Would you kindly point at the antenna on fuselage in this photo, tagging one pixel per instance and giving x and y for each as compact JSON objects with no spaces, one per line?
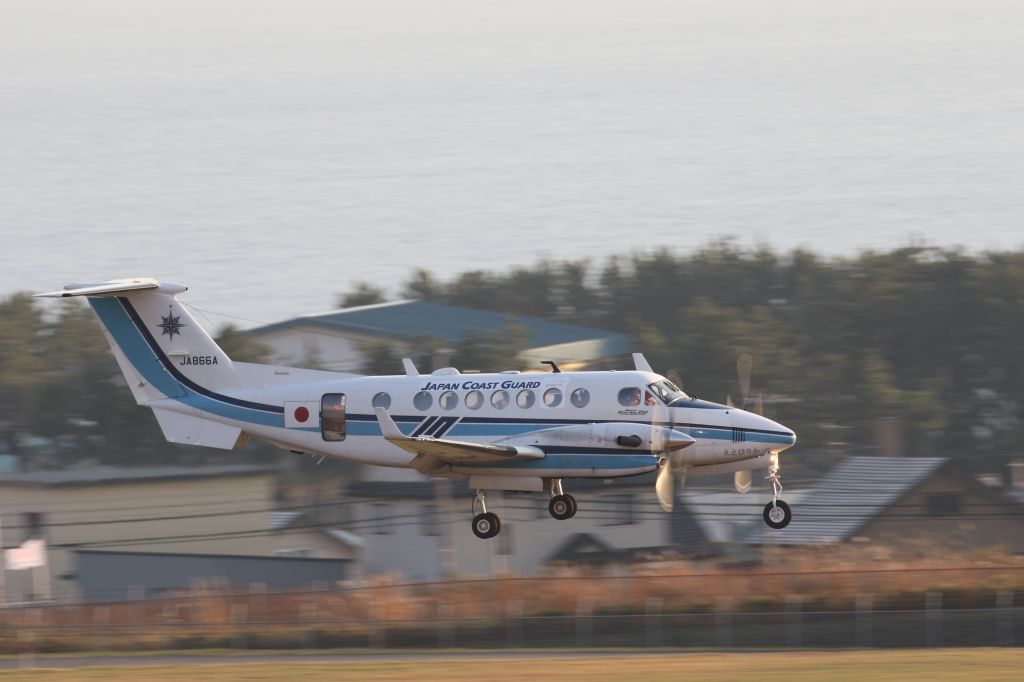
{"x":410,"y":368}
{"x":554,"y":367}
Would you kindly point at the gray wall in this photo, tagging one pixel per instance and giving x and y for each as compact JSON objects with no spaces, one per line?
{"x":115,"y":576}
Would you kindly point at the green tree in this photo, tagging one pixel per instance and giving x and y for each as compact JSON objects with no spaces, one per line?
{"x":241,"y":346}
{"x":364,"y":293}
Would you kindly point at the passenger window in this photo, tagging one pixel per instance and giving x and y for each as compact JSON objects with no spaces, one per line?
{"x":499,"y":400}
{"x":448,"y":400}
{"x":649,"y":399}
{"x":629,"y":397}
{"x":552,"y":397}
{"x":332,"y":416}
{"x":474,"y":399}
{"x":525,"y":398}
{"x":580,"y":397}
{"x":382,"y":399}
{"x":423,"y":400}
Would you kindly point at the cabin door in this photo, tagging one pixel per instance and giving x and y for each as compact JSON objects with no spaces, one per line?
{"x":332,"y":416}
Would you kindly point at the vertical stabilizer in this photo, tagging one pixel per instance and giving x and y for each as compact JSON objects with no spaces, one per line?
{"x":161,"y":349}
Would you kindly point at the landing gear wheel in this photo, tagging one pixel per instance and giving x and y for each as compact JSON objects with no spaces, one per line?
{"x":562,"y":507}
{"x":574,"y":505}
{"x":486,"y":525}
{"x":777,"y":514}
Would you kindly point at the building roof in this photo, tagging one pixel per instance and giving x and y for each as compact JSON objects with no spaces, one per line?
{"x":685,"y":534}
{"x":849,"y":496}
{"x":106,"y":475}
{"x":402,"y":320}
{"x":280,"y":520}
{"x":584,"y":548}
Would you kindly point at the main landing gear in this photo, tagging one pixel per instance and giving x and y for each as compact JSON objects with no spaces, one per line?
{"x":485,"y":524}
{"x":561,"y":506}
{"x":777,"y":513}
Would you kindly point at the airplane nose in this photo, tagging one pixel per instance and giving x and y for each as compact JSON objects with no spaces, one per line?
{"x":786,"y":436}
{"x":777,"y":436}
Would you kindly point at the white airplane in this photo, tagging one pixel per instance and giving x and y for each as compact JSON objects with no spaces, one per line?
{"x":505,"y":431}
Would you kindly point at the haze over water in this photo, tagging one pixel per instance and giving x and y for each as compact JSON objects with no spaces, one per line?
{"x":270,"y":154}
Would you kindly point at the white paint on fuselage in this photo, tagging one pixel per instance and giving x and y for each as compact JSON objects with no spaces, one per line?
{"x":712,"y":426}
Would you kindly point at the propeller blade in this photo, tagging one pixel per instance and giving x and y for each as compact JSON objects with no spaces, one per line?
{"x":759,"y":405}
{"x":728,"y":401}
{"x":674,"y":377}
{"x":744,"y":363}
{"x":741,"y":480}
{"x":663,"y":487}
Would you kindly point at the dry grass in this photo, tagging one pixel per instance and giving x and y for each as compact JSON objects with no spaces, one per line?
{"x":976,"y":665}
{"x":825,"y":579}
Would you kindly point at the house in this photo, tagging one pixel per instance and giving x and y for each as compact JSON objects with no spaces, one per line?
{"x":107,"y":529}
{"x":337,"y":340}
{"x":420,"y":527}
{"x":925,"y":501}
{"x":298,"y":534}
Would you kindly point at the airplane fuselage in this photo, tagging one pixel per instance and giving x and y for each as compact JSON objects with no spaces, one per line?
{"x":503,"y":408}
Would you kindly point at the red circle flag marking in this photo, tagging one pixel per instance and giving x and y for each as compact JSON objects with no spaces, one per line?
{"x":301,"y":414}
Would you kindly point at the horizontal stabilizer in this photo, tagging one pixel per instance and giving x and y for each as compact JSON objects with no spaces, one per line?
{"x":114,"y":286}
{"x":452,"y":451}
{"x":189,"y":430}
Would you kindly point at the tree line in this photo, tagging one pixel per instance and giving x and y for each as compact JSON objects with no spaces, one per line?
{"x":912,"y":351}
{"x":915,"y":350}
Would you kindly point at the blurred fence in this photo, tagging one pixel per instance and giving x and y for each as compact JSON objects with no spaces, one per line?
{"x":576,"y":611}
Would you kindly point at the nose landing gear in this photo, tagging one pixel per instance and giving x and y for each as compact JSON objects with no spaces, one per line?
{"x":777,"y":513}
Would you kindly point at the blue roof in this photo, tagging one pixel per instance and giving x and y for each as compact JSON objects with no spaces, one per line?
{"x":410,"y":319}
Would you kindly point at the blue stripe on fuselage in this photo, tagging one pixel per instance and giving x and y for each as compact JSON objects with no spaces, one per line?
{"x":481,"y":427}
{"x":583,"y":463}
{"x":182,"y":379}
{"x":157,"y":369}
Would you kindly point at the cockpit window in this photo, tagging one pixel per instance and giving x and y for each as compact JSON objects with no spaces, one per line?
{"x":629,"y":397}
{"x":667,"y":391}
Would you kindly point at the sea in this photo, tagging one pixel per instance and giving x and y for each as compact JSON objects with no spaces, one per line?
{"x":273,"y":153}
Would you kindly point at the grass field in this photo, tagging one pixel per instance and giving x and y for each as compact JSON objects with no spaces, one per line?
{"x":977,"y":665}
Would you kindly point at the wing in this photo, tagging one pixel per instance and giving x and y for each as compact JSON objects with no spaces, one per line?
{"x":431,"y":452}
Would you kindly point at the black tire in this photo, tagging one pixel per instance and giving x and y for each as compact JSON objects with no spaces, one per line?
{"x":486,"y":525}
{"x":773,"y":517}
{"x":561,"y":507}
{"x":496,"y":522}
{"x":575,"y":506}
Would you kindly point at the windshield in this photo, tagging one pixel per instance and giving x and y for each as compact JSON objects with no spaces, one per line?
{"x":667,"y":391}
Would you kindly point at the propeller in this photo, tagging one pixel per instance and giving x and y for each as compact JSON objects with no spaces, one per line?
{"x":664,"y":486}
{"x":742,"y":480}
{"x":744,"y":365}
{"x":674,"y":377}
{"x":673,"y":449}
{"x":670,"y":443}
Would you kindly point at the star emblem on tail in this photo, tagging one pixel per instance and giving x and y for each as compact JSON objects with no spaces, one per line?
{"x":170,"y":324}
